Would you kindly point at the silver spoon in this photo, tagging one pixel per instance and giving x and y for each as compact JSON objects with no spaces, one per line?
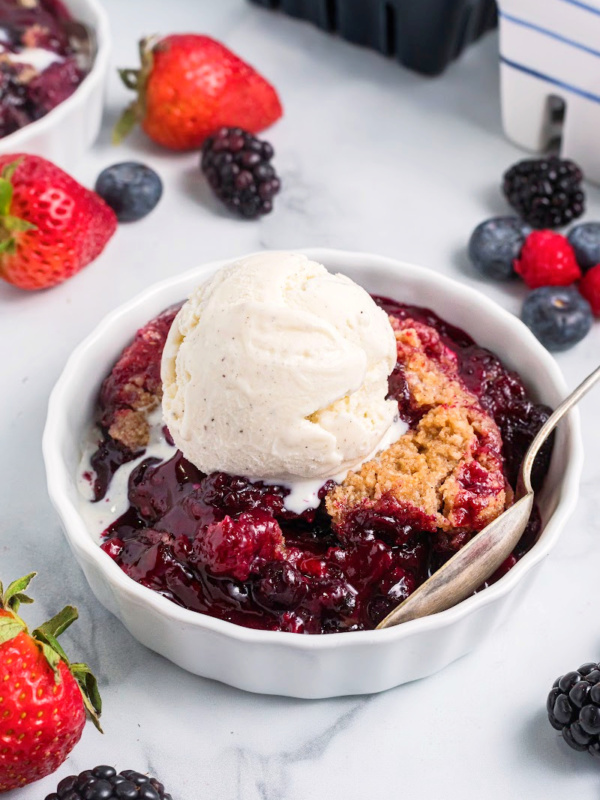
{"x":478,"y":559}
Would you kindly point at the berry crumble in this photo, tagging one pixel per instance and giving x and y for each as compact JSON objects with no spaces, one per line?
{"x":227,"y":547}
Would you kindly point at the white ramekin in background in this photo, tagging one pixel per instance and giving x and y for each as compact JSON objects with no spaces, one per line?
{"x":66,"y":133}
{"x":286,"y":663}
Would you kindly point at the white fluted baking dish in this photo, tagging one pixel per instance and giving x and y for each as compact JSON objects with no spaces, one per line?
{"x":285,"y":663}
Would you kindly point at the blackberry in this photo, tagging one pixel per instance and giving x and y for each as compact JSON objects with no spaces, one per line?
{"x":103,"y":783}
{"x":546,"y":192}
{"x":573,"y":708}
{"x":237,"y":166}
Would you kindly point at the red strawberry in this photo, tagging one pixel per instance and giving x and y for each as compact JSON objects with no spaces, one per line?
{"x":189,"y":86}
{"x":50,"y":225}
{"x":43,"y":697}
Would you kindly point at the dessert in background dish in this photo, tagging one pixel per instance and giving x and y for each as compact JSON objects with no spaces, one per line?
{"x":276,"y":372}
{"x":39,"y":65}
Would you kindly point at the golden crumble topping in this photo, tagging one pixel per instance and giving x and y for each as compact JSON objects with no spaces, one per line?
{"x":131,"y":428}
{"x":449,"y":466}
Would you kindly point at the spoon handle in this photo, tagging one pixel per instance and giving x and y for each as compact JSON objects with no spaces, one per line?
{"x":524,"y":482}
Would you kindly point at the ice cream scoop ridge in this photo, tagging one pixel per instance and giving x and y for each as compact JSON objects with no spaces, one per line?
{"x":277,"y":369}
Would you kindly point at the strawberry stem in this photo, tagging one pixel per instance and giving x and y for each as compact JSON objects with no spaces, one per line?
{"x":10,"y":224}
{"x":130,"y":78}
{"x":137,"y":80}
{"x":10,"y":169}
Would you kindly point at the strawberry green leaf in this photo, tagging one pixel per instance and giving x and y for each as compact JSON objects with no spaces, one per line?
{"x":47,"y":633}
{"x":6,"y":196}
{"x":16,"y":224}
{"x":146,"y":47}
{"x":17,"y":600}
{"x":89,"y":691}
{"x":6,"y":187}
{"x":8,"y":247}
{"x":130,"y":78}
{"x":48,"y":640}
{"x":8,"y":223}
{"x":127,"y":122}
{"x":59,"y":622}
{"x":137,"y":80}
{"x":10,"y":628}
{"x":14,"y":590}
{"x":53,"y":658}
{"x":23,"y":598}
{"x":10,"y":169}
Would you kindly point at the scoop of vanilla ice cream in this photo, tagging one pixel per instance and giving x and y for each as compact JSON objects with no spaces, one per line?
{"x":276,"y":369}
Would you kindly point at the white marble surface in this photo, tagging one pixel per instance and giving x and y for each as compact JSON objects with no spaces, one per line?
{"x":375,"y":158}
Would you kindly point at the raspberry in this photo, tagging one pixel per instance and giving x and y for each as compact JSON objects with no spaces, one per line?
{"x":240,"y":547}
{"x":590,"y":288}
{"x":547,"y":259}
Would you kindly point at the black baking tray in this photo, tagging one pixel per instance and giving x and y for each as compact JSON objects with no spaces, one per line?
{"x":423,"y":35}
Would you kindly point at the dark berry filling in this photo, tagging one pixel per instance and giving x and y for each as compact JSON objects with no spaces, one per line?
{"x":228,"y":548}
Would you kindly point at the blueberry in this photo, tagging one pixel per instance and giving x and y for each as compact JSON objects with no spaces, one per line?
{"x":585,"y":241}
{"x":558,"y":315}
{"x":131,"y":189}
{"x":495,"y":244}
